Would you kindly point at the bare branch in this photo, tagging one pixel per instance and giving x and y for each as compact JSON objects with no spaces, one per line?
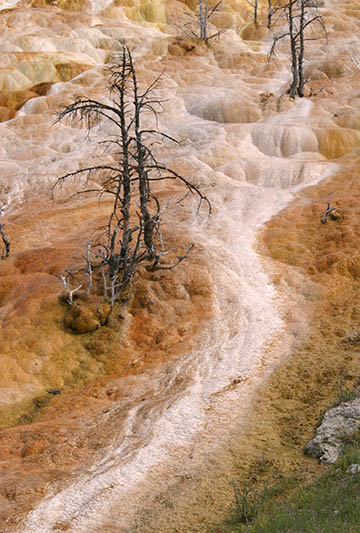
{"x":300,"y":15}
{"x":89,"y":270}
{"x":5,"y":240}
{"x":68,"y":292}
{"x":179,"y":260}
{"x":198,"y":25}
{"x":132,"y":234}
{"x":327,"y":213}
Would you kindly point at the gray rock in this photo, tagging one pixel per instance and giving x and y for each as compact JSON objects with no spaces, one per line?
{"x":338,"y":424}
{"x":353,"y":469}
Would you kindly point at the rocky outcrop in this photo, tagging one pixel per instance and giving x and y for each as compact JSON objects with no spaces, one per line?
{"x":339,"y":423}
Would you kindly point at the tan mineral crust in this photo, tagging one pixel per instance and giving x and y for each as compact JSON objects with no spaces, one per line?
{"x":217,"y":371}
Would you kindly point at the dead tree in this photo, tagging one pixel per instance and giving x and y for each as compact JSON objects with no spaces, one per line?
{"x":198,"y":26}
{"x":300,"y":15}
{"x":6,"y":251}
{"x":329,"y":212}
{"x":272,"y":8}
{"x":132,"y":234}
{"x":68,"y":291}
{"x":269,"y":13}
{"x":254,"y":5}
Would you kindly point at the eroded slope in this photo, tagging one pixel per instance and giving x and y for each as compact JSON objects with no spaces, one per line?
{"x":141,"y":401}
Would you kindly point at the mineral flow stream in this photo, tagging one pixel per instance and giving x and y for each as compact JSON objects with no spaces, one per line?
{"x":136,"y":415}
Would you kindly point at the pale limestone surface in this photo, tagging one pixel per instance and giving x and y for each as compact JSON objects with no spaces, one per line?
{"x":250,"y":149}
{"x":339,"y":423}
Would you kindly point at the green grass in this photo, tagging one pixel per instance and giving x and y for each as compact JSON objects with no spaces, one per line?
{"x":344,"y":395}
{"x":331,"y":504}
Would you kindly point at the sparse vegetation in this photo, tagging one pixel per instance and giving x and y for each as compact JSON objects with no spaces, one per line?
{"x":344,"y":395}
{"x":248,"y":504}
{"x":330,"y":504}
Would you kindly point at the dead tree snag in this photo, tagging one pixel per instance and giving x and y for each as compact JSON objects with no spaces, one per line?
{"x":133,"y":233}
{"x":198,"y":25}
{"x":300,"y":16}
{"x":6,"y":251}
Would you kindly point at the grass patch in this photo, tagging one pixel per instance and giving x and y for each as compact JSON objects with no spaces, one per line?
{"x":329,"y":505}
{"x":344,"y":395}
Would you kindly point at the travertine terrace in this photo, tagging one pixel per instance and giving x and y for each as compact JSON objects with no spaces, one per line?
{"x":234,"y":354}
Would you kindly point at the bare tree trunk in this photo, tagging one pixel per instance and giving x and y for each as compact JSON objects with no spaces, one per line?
{"x":144,"y":191}
{"x":125,"y":182}
{"x":294,"y":58}
{"x":300,"y":15}
{"x":206,"y":18}
{"x":5,"y":240}
{"x":68,"y":292}
{"x":255,"y":11}
{"x":203,"y":19}
{"x":269,"y":14}
{"x":89,"y":270}
{"x":198,"y":25}
{"x":254,"y":4}
{"x":301,"y":50}
{"x":273,"y":7}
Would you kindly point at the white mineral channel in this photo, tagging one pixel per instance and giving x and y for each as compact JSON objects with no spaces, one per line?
{"x":8,"y":4}
{"x":250,"y":168}
{"x":233,"y":348}
{"x":99,"y":5}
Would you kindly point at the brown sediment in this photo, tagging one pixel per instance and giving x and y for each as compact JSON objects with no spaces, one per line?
{"x":320,"y":265}
{"x":327,"y":253}
{"x":70,"y":5}
{"x":55,"y":378}
{"x":155,"y":314}
{"x":13,"y":100}
{"x":52,"y":68}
